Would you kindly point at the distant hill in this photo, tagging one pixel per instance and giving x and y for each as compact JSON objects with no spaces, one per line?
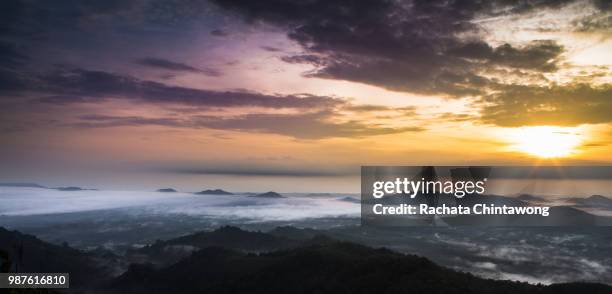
{"x":170,"y":251}
{"x":22,"y":185}
{"x":214,"y":192}
{"x":593,"y":201}
{"x":69,"y":189}
{"x":73,"y":188}
{"x":33,"y":185}
{"x":528,"y":198}
{"x":295,"y":233}
{"x":29,"y":254}
{"x":324,"y":267}
{"x":166,"y":190}
{"x":269,"y":195}
{"x":350,"y":199}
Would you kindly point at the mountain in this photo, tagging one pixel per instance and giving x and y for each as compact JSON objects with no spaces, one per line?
{"x":214,"y":192}
{"x":70,"y":189}
{"x":231,"y":260}
{"x":325,"y":267}
{"x":22,"y":185}
{"x":295,"y":233}
{"x":27,"y":253}
{"x":269,"y":195}
{"x":170,"y":251}
{"x":166,"y":190}
{"x":349,"y":199}
{"x":528,"y":198}
{"x":593,"y":201}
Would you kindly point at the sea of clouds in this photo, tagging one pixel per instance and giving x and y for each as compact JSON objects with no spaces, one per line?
{"x":37,"y":201}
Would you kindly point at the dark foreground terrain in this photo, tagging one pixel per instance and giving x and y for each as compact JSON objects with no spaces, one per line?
{"x":231,"y":260}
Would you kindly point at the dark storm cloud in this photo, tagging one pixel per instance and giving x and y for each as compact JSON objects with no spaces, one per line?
{"x":418,"y":46}
{"x":538,"y":55}
{"x":79,"y":85}
{"x":166,"y":64}
{"x":422,"y":47}
{"x":305,"y":58}
{"x":566,"y":105}
{"x":411,"y":46}
{"x":313,"y":126}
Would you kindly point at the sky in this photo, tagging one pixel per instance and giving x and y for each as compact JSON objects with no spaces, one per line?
{"x":296,"y":95}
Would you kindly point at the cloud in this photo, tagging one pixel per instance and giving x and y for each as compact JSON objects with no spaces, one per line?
{"x":370,"y":107}
{"x":259,"y":171}
{"x":426,"y":47}
{"x":219,"y":33}
{"x":80,"y":85}
{"x":412,"y":46}
{"x":564,"y":105}
{"x":312,"y":126}
{"x":104,"y":121}
{"x":438,"y":48}
{"x":373,"y":108}
{"x":175,"y":66}
{"x":537,"y":55}
{"x":598,"y":22}
{"x":317,"y":125}
{"x":271,"y":49}
{"x":301,"y":116}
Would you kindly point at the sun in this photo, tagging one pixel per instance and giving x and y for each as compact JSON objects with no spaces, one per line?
{"x":546,"y":141}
